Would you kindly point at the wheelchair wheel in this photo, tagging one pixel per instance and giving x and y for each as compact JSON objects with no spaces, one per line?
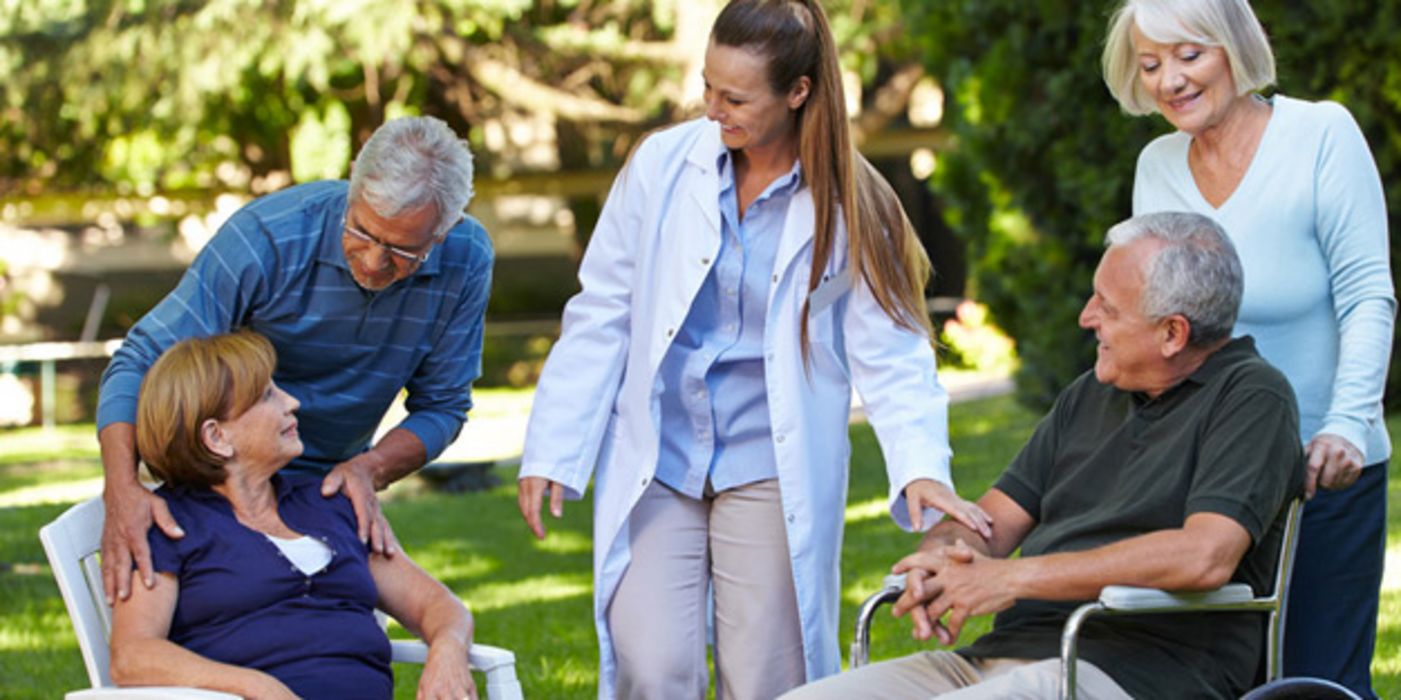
{"x":1301,"y":689}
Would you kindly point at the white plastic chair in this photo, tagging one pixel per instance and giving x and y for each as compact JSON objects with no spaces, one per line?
{"x":72,"y":542}
{"x":1131,"y":600}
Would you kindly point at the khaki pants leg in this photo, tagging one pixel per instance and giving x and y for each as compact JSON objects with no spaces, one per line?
{"x":658,"y":615}
{"x":758,"y":637}
{"x":914,"y":677}
{"x":946,"y":675}
{"x":1018,"y":679}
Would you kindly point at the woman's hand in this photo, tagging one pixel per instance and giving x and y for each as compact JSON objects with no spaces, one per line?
{"x":530,"y":495}
{"x":262,"y":686}
{"x":1334,"y":463}
{"x":446,"y":675}
{"x":927,"y":493}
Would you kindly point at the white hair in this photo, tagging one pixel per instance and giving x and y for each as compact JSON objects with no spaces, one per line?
{"x":1230,"y":24}
{"x":411,"y":162}
{"x":1196,"y":273}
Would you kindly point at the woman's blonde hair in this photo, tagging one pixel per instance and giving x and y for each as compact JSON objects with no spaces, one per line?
{"x":884,"y":250}
{"x":1230,"y":24}
{"x":197,"y":379}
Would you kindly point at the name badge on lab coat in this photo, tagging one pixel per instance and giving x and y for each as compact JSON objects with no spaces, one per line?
{"x":828,"y":291}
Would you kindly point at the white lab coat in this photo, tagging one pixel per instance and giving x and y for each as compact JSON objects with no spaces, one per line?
{"x":597,"y":401}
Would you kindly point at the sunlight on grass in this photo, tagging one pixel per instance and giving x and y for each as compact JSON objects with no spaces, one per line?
{"x":1386,"y":662}
{"x":30,"y":444}
{"x":57,"y":492}
{"x":565,"y":542}
{"x":44,"y":632}
{"x":872,"y":509}
{"x":537,"y":589}
{"x":452,"y":561}
{"x":1391,"y":576}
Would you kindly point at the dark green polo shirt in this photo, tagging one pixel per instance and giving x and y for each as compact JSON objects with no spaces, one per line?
{"x":1107,"y":465}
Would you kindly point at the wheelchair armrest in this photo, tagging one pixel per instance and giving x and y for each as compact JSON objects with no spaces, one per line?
{"x":891,"y":588}
{"x":149,"y":693}
{"x":1135,"y":599}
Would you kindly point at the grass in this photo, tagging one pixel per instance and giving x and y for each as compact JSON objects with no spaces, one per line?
{"x":532,"y":597}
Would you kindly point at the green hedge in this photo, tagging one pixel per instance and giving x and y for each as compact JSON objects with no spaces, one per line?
{"x":1044,"y":159}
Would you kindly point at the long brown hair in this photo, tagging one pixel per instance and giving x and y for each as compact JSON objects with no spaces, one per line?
{"x":883,"y":249}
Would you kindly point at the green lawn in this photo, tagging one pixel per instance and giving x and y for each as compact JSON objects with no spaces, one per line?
{"x":529,"y":596}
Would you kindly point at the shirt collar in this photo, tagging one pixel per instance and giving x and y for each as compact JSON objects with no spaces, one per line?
{"x":786,"y":184}
{"x":1217,"y":362}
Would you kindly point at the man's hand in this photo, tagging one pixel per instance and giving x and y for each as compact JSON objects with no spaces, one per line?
{"x":446,"y":675}
{"x":355,"y":478}
{"x":952,"y":580}
{"x":130,"y":512}
{"x":1334,"y":463}
{"x":530,"y":493}
{"x":927,"y":493}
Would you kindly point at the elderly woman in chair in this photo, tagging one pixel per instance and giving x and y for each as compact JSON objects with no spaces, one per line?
{"x":269,"y":594}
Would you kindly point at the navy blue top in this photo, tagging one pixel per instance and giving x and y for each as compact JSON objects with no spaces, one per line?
{"x":243,"y":603}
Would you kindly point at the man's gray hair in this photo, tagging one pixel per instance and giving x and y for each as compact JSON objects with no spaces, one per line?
{"x":1196,"y":273}
{"x":410,"y":162}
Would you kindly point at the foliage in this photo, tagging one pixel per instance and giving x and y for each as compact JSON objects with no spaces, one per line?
{"x":162,"y":93}
{"x":159,"y":94}
{"x":1045,"y":159}
{"x":969,"y":340}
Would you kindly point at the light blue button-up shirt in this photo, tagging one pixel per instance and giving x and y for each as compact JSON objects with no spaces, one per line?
{"x":714,"y":403}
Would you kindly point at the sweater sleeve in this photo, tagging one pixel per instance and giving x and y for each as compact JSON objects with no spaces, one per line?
{"x":1352,"y":232}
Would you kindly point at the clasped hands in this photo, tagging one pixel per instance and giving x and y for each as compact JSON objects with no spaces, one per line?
{"x":945,"y":584}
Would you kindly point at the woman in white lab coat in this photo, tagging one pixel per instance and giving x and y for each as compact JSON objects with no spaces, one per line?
{"x":747,"y":271}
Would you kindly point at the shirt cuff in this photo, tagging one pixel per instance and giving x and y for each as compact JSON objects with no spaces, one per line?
{"x":435,"y":430}
{"x":1353,"y":431}
{"x":922,"y":462}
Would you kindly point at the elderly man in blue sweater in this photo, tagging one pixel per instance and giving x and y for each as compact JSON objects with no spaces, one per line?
{"x":366,"y":289}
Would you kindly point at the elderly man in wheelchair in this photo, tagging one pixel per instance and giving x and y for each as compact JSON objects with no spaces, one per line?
{"x":1170,"y":466}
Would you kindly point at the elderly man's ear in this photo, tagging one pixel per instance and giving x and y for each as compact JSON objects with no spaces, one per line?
{"x":1173,"y":334}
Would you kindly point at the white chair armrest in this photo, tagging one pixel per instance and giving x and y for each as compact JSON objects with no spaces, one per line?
{"x":408,"y":651}
{"x":486,"y":658}
{"x":482,"y":657}
{"x":1130,"y":598}
{"x":149,"y":693}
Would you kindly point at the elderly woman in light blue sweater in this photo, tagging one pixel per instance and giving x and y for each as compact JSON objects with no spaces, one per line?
{"x":1296,"y":188}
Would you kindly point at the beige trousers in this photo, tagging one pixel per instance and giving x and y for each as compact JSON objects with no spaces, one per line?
{"x":735,"y":542}
{"x":948,"y":676}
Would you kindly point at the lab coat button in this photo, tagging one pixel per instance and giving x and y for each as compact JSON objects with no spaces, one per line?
{"x":791,"y":517}
{"x":705,"y":261}
{"x":644,"y":481}
{"x":779,"y":438}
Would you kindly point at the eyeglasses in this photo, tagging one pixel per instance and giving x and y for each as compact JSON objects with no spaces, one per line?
{"x":406,"y":256}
